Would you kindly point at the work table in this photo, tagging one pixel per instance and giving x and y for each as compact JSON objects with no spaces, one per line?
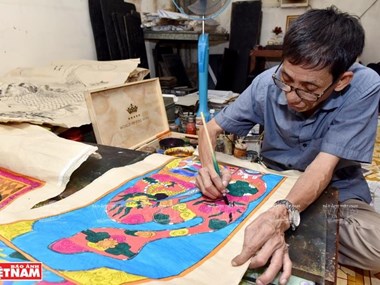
{"x":312,"y":247}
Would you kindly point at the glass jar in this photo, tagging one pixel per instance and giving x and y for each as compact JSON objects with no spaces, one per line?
{"x":190,"y":126}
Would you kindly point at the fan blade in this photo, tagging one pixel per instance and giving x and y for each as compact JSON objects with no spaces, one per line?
{"x":206,"y":7}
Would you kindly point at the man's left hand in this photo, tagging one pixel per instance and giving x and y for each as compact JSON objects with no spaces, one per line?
{"x":264,"y":241}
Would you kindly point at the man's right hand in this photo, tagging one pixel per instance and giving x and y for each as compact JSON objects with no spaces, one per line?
{"x":211,"y":184}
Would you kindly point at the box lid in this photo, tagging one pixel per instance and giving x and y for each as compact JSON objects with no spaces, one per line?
{"x":129,"y":115}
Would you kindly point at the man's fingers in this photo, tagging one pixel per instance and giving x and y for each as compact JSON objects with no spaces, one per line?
{"x":226,"y":176}
{"x":206,"y":185}
{"x":251,"y":245}
{"x":274,"y":267}
{"x":201,"y":186}
{"x":240,"y":259}
{"x":267,"y":251}
{"x":287,"y":268}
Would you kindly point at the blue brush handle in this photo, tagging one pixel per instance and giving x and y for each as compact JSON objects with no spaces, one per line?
{"x":203,"y":55}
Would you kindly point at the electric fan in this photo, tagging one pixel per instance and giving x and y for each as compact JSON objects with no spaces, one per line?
{"x":202,"y":10}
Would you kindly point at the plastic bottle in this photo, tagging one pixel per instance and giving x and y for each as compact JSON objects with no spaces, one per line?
{"x":212,"y":114}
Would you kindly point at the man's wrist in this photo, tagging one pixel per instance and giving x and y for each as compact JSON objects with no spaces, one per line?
{"x":293,"y":213}
{"x":281,"y":217}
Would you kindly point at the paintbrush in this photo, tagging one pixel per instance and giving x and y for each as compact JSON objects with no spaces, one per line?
{"x":216,"y":166}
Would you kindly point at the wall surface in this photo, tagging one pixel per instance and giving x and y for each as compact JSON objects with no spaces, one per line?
{"x":367,"y":10}
{"x":36,"y":32}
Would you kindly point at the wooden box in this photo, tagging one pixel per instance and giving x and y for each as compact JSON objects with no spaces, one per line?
{"x":131,"y":115}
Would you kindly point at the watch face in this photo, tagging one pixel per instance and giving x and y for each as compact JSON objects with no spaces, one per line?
{"x":296,"y":218}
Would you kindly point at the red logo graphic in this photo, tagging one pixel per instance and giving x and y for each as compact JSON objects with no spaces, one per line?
{"x":21,"y":271}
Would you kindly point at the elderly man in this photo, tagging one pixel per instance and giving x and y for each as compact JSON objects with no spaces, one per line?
{"x":319,"y":110}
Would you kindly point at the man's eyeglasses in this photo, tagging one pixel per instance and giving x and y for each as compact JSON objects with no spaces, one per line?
{"x":302,"y":94}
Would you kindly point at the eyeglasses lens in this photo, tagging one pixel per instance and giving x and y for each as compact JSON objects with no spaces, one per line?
{"x":300,"y":93}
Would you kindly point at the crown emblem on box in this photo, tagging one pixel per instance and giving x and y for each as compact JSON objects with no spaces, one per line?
{"x":132,"y":109}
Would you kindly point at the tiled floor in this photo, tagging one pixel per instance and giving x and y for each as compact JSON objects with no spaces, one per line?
{"x":373,"y":175}
{"x":355,"y":276}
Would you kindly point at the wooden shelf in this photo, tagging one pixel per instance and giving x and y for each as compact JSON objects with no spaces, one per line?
{"x":264,"y":54}
{"x":182,"y":36}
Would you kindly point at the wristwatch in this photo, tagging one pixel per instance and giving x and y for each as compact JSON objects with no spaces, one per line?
{"x":294,"y":214}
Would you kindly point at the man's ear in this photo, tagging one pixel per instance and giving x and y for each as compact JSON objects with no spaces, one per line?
{"x":344,"y":80}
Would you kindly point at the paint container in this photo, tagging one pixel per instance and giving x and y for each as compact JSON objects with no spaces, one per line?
{"x":253,"y":143}
{"x":183,"y":121}
{"x":190,"y":126}
{"x":171,"y":142}
{"x":219,"y":144}
{"x":173,"y":127}
{"x":240,"y":153}
{"x":252,"y":156}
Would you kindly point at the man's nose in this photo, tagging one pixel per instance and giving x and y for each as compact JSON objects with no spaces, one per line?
{"x":292,"y":97}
